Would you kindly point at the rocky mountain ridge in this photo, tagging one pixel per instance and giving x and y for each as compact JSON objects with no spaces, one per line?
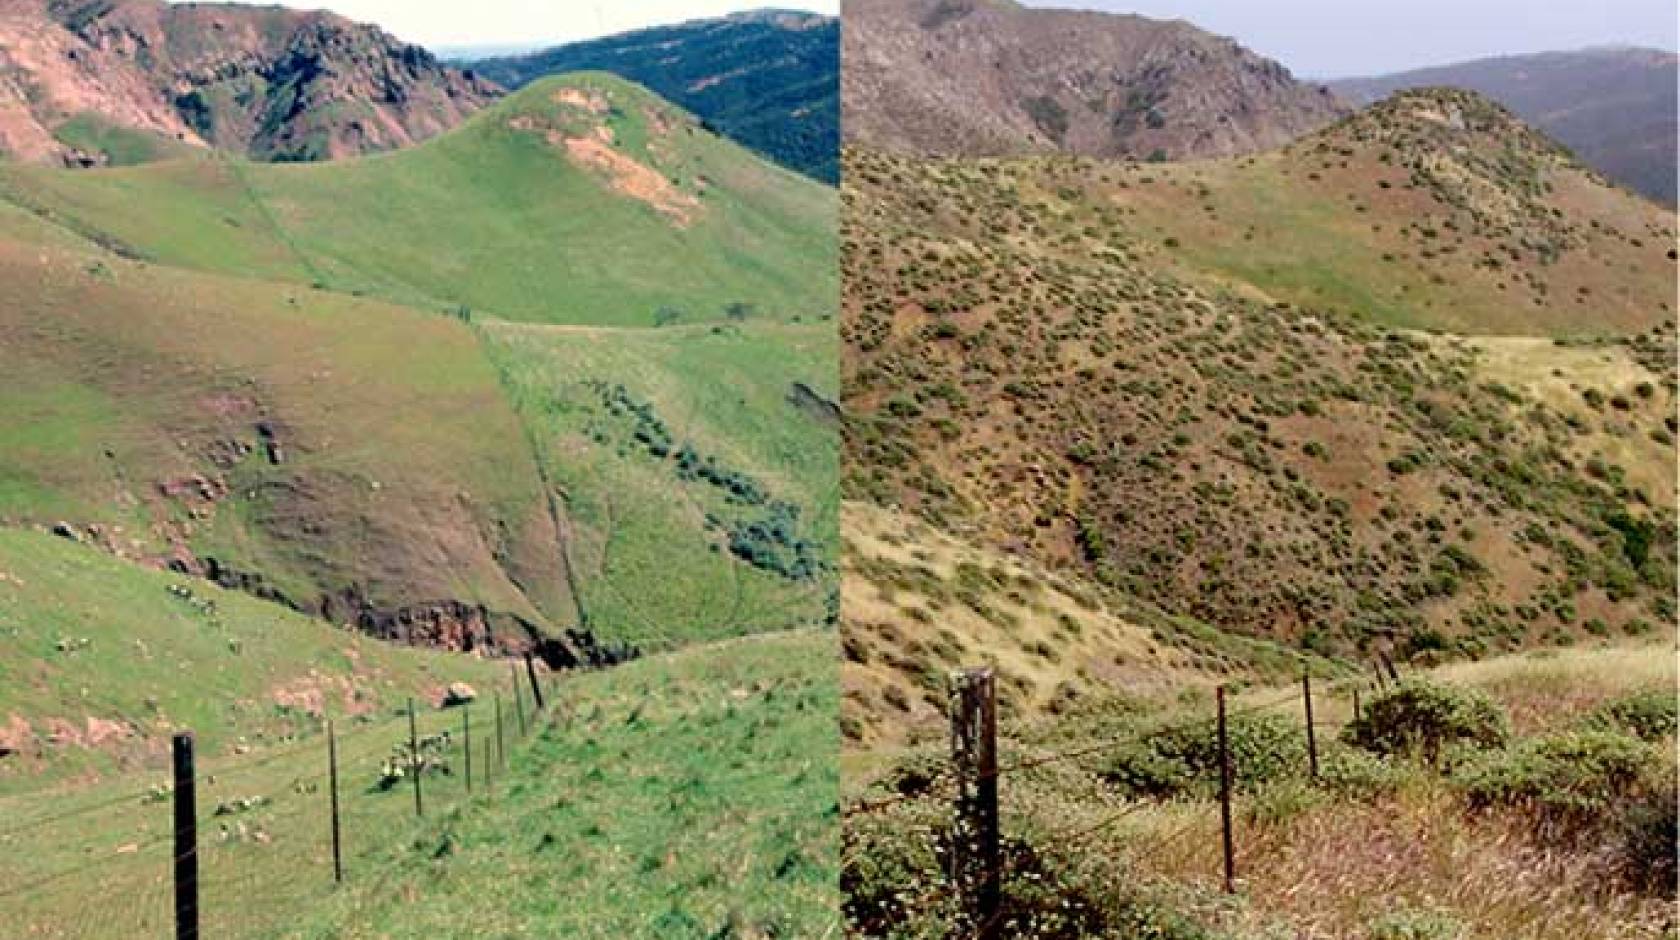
{"x":990,"y":77}
{"x":92,"y":82}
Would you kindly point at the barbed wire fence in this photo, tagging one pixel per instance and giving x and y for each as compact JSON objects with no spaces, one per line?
{"x":247,"y":846}
{"x":977,"y":866}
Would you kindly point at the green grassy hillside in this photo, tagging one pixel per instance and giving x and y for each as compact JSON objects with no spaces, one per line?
{"x":685,"y":796}
{"x":769,"y":78}
{"x":582,"y":199}
{"x":100,"y":661}
{"x":699,"y":467}
{"x":353,"y":458}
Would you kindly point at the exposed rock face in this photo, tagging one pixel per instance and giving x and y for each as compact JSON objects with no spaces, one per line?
{"x":269,"y":82}
{"x":988,"y":77}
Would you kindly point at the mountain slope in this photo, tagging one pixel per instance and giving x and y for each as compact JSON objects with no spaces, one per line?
{"x":769,"y":79}
{"x":95,"y":650}
{"x":267,"y":82}
{"x":276,"y":439}
{"x":1615,"y":108}
{"x":583,"y":199}
{"x":460,"y":479}
{"x":1191,"y":385}
{"x":989,"y":77}
{"x":699,"y":466}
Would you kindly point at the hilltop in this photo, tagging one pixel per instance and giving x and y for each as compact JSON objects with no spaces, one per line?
{"x":102,"y":82}
{"x":1614,"y":107}
{"x":991,"y":77}
{"x":1199,"y":396}
{"x":767,"y":79}
{"x":582,"y":199}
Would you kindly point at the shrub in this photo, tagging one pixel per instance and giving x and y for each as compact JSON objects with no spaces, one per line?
{"x":1650,"y":715}
{"x":1416,"y":925}
{"x":1574,"y":776}
{"x":1647,"y":831}
{"x":1420,"y":718}
{"x":1356,"y":774}
{"x":1185,"y":759}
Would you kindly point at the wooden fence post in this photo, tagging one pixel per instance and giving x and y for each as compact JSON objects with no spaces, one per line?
{"x":1225,"y":799}
{"x":518,"y":700}
{"x":332,"y":784}
{"x":489,"y":772}
{"x":978,"y":857}
{"x":414,"y":759}
{"x":186,"y":839}
{"x":501,"y":755}
{"x":1312,"y":733}
{"x":1356,"y":703}
{"x":466,"y":742}
{"x":536,"y":687}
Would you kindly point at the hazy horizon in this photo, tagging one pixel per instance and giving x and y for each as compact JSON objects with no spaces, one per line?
{"x":447,"y":25}
{"x":1324,"y":40}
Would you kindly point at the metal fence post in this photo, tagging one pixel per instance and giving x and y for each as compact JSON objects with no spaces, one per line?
{"x":186,"y":839}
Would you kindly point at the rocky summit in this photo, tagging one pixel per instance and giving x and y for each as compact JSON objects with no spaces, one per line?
{"x":97,"y":82}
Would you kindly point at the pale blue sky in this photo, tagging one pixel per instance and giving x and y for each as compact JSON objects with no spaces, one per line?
{"x":1339,"y":38}
{"x":435,"y":23}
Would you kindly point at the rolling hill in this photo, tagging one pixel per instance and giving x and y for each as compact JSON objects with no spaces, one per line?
{"x":767,"y":79}
{"x":560,"y":379}
{"x":1614,"y":107}
{"x":582,"y":199}
{"x":1404,"y":386}
{"x":393,"y":485}
{"x":992,"y":77}
{"x":110,"y":82}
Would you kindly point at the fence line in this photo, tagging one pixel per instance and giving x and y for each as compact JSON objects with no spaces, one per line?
{"x":289,"y":824}
{"x":975,"y":775}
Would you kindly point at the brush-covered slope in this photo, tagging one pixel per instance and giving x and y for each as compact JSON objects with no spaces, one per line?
{"x":1615,"y":107}
{"x":578,"y":200}
{"x":1436,"y":208}
{"x":1031,"y":366}
{"x":101,"y":661}
{"x":992,"y":77}
{"x":268,"y":82}
{"x":769,"y":79}
{"x":351,"y":458}
{"x":682,"y":796}
{"x":699,"y":466}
